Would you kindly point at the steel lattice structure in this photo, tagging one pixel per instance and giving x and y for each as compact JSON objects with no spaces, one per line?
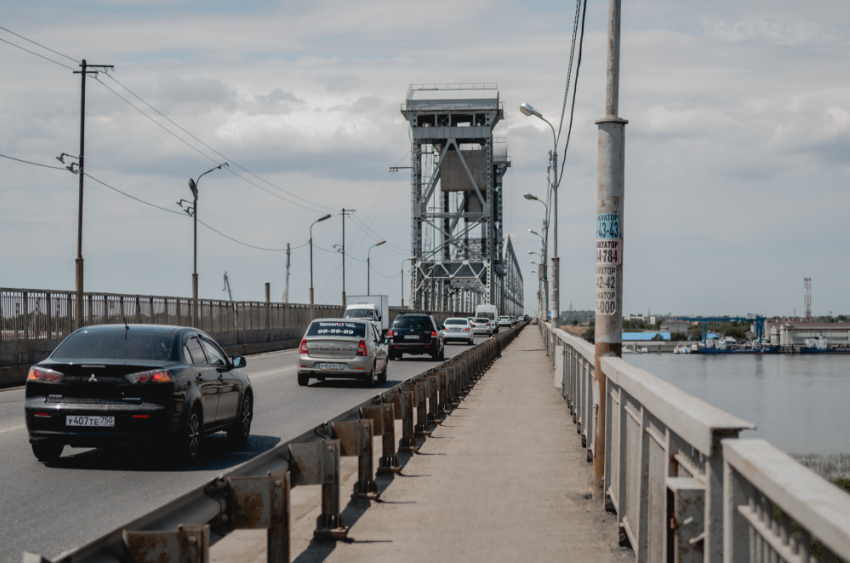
{"x":460,"y":255}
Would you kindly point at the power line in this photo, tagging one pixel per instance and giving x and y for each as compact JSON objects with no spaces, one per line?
{"x":36,"y":54}
{"x":39,"y":44}
{"x":113,"y":188}
{"x":569,"y":72}
{"x":575,"y":88}
{"x":196,"y":149}
{"x":217,"y":152}
{"x":33,"y":163}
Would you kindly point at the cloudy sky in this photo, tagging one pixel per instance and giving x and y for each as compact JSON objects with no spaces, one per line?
{"x":737,"y":150}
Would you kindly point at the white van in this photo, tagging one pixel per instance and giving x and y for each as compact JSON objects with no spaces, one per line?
{"x":490,"y":312}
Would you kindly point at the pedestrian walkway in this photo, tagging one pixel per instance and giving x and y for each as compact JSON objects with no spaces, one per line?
{"x":504,"y":478}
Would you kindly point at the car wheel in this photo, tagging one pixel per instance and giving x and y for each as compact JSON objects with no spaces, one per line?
{"x":241,"y":428}
{"x":371,"y":379}
{"x":471,"y":341}
{"x":303,"y":379}
{"x":47,"y":452}
{"x":190,"y":443}
{"x":442,"y":355}
{"x":382,"y":377}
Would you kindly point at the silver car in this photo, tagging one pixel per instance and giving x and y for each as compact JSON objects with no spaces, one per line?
{"x":342,"y":348}
{"x":457,"y":328}
{"x":483,"y":326}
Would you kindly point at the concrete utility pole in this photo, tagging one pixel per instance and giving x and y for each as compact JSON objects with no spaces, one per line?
{"x":609,"y":239}
{"x":78,"y":312}
{"x":345,"y":213}
{"x":286,"y":291}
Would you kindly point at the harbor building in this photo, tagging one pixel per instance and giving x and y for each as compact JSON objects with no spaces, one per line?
{"x":795,"y":333}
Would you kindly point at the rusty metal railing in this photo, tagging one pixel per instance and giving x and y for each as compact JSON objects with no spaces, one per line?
{"x":256,"y":494}
{"x":683,"y":485}
{"x":33,"y":314}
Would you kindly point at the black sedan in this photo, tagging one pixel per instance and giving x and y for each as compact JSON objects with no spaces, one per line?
{"x":136,"y":384}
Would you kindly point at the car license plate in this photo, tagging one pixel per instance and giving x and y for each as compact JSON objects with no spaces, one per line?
{"x":98,"y":421}
{"x":331,"y":366}
{"x":454,"y":330}
{"x":411,"y":337}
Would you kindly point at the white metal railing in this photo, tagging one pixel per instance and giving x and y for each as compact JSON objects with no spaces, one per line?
{"x":683,"y":485}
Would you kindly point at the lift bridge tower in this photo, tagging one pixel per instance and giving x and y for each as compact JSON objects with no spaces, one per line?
{"x":460,"y":255}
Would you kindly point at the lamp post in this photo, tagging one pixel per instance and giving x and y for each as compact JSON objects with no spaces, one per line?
{"x":369,"y":266}
{"x":319,"y":220}
{"x":412,"y":258}
{"x":193,"y":185}
{"x":542,"y":270}
{"x":526,"y":109}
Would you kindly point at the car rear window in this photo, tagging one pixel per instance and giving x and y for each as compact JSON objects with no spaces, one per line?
{"x":337,"y":328}
{"x":409,"y":321}
{"x":359,"y":313}
{"x":456,"y":321}
{"x":126,"y":344}
{"x":482,"y":320}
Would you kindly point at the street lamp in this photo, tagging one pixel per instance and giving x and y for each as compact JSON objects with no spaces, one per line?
{"x":412,"y":258}
{"x":193,"y":185}
{"x":319,"y":220}
{"x":527,"y":110}
{"x":369,"y":266}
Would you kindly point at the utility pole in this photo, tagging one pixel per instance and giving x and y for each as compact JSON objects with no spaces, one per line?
{"x":286,"y":291}
{"x":78,"y":313}
{"x":609,"y":240}
{"x":345,"y":213}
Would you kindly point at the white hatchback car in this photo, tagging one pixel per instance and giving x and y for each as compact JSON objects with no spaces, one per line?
{"x":457,"y":328}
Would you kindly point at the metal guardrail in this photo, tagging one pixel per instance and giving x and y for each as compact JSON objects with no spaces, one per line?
{"x":256,"y":494}
{"x":37,"y":314}
{"x":682,"y":484}
{"x":34,"y":314}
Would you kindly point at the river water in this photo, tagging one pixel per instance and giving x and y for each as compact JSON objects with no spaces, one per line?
{"x":800,"y":403}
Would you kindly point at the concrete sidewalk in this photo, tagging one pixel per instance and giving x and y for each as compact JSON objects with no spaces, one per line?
{"x":504,"y":478}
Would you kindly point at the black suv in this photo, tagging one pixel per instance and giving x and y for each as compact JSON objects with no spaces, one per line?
{"x":415,"y":334}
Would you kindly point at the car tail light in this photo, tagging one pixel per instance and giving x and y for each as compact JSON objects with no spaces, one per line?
{"x":361,"y":348}
{"x":44,"y":375}
{"x":390,"y":333}
{"x":433,"y":333}
{"x":303,"y":348}
{"x":466,"y":330}
{"x":154,"y":376}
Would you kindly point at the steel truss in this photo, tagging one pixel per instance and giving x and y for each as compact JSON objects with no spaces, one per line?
{"x":457,"y":166}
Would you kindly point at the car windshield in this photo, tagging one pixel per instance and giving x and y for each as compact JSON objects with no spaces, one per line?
{"x":456,"y":321}
{"x":482,"y":320}
{"x":124,"y":344}
{"x":504,"y":318}
{"x":337,"y":328}
{"x":409,"y":321}
{"x":359,"y":313}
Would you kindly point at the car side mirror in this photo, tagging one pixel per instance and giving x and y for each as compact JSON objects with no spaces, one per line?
{"x":238,"y":361}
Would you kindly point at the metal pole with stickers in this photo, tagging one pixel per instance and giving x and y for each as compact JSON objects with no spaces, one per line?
{"x":609,"y":240}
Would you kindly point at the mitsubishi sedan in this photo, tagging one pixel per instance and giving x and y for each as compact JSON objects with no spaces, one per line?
{"x":136,"y":384}
{"x":342,"y":348}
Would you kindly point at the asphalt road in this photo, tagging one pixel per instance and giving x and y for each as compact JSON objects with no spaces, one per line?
{"x":49,"y":510}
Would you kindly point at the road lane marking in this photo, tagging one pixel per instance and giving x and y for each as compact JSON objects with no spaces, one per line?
{"x":261,"y":374}
{"x":12,"y":428}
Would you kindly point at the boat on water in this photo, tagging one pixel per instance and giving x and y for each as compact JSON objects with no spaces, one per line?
{"x":820,"y":345}
{"x":723,"y":346}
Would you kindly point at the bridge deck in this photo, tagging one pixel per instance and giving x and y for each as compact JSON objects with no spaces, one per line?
{"x":503,"y":479}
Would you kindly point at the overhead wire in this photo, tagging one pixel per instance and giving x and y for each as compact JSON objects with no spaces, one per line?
{"x":324,"y":207}
{"x":37,"y":54}
{"x":40,"y":45}
{"x":575,"y":88}
{"x":113,"y":188}
{"x":569,"y":71}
